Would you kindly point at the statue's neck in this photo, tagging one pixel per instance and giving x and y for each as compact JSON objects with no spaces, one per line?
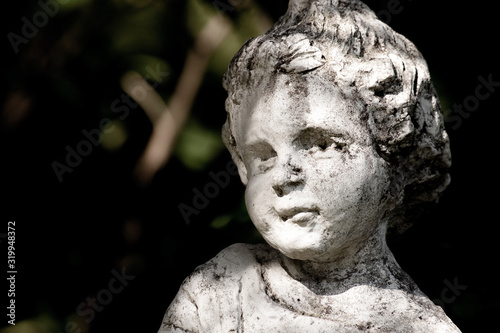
{"x":373,"y":264}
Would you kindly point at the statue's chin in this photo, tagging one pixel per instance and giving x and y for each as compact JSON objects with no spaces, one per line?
{"x":313,"y":251}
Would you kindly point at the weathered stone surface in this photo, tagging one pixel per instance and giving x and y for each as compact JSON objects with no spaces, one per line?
{"x":246,"y":288}
{"x":337,"y":134}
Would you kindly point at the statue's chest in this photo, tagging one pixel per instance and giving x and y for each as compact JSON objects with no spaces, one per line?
{"x":286,"y":306}
{"x":272,"y":314}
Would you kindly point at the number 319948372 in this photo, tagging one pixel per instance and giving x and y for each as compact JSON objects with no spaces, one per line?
{"x":11,"y":240}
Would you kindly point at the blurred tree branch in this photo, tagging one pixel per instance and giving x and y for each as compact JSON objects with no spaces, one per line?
{"x":169,"y":119}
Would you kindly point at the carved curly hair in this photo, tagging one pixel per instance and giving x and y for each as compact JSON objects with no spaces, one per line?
{"x":345,"y":41}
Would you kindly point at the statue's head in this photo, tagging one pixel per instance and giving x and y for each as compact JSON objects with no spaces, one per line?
{"x":335,"y":128}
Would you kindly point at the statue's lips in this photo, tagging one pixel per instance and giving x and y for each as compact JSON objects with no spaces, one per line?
{"x":298,"y":214}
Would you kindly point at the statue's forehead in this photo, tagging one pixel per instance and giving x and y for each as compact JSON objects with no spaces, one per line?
{"x":297,"y":103}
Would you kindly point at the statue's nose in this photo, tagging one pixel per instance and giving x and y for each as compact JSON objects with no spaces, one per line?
{"x":288,"y":176}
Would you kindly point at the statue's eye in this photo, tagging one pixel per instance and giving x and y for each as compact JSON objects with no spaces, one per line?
{"x":261,"y":155}
{"x":317,"y":139}
{"x":324,"y":143}
{"x":266,"y":155}
{"x":263,"y":151}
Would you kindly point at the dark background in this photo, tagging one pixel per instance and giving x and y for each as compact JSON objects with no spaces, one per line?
{"x":72,"y":235}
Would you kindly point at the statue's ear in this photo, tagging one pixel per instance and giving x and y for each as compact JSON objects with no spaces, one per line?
{"x":231,"y":145}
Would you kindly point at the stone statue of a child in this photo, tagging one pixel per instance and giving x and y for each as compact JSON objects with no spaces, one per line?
{"x":337,"y":134}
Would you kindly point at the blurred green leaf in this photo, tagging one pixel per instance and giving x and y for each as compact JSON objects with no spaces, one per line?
{"x":114,"y":135}
{"x":221,"y":221}
{"x":197,"y":145}
{"x":138,"y":30}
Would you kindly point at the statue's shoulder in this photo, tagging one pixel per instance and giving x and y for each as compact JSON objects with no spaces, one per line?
{"x":228,"y":268}
{"x":241,"y":253}
{"x":234,"y":259}
{"x":209,"y":298}
{"x":409,"y":312}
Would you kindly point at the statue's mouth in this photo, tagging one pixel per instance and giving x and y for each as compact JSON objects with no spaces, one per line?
{"x":298,"y":214}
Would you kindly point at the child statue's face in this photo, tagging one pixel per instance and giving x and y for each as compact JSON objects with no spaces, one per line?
{"x":316,"y":186}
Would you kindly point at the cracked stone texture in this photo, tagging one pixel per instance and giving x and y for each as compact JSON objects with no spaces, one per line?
{"x":338,"y":136}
